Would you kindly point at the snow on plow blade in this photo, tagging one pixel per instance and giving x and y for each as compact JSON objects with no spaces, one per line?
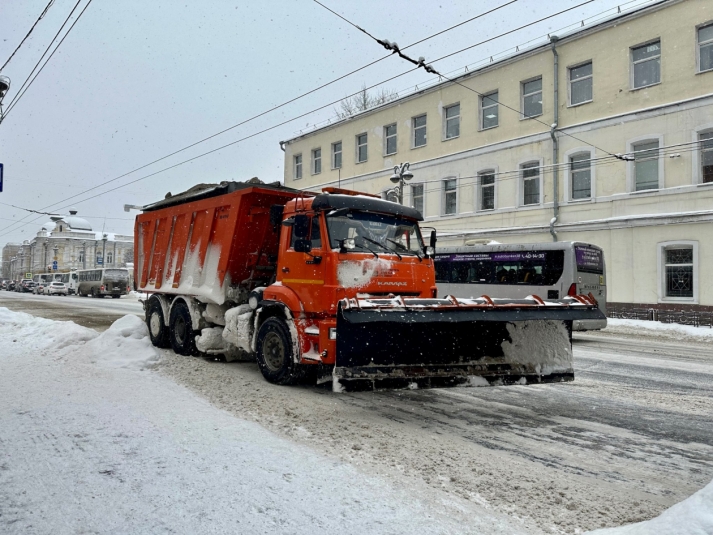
{"x":385,"y":343}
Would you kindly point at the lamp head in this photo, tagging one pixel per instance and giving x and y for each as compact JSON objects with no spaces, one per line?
{"x":408,"y":175}
{"x":395,"y":178}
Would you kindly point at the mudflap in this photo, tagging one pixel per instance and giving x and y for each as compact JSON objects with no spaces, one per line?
{"x":448,"y":346}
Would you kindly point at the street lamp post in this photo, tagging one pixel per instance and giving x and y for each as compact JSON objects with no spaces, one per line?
{"x":84,"y":255}
{"x":401,"y":174}
{"x":104,"y":237}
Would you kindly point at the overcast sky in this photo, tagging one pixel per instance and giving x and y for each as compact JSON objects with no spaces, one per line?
{"x":137,"y":80}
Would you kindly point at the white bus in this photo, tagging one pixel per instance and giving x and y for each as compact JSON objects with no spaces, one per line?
{"x":549,"y":270}
{"x":101,"y":282}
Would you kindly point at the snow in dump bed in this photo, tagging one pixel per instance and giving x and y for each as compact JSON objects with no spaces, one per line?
{"x":692,"y":516}
{"x":656,"y":328}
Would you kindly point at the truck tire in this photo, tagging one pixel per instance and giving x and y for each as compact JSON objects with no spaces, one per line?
{"x":275,"y":354}
{"x":181,"y":334}
{"x":158,"y":331}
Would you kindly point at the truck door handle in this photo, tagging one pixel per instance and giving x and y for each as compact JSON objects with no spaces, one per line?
{"x":285,"y":270}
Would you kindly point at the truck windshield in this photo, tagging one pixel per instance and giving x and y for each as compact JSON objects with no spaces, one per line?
{"x":116,"y":275}
{"x":390,"y":232}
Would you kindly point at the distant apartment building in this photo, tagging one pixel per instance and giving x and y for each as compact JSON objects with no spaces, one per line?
{"x":618,"y":152}
{"x":70,"y":242}
{"x":9,"y":251}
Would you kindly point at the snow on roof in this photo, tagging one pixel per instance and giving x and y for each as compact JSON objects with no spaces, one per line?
{"x":76,"y":223}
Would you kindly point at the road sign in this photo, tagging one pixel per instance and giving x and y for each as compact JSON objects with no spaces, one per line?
{"x":1,"y":170}
{"x":54,"y":265}
{"x":100,"y":261}
{"x":28,"y":275}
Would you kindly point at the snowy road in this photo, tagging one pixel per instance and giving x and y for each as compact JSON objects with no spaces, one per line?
{"x":627,"y":439}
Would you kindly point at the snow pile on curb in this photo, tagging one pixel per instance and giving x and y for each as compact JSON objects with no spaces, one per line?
{"x":692,"y":516}
{"x":40,"y":333}
{"x":126,"y":344}
{"x":656,"y":328}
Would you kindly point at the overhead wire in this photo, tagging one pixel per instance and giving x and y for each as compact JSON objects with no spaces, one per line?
{"x":20,"y":92}
{"x":42,"y":15}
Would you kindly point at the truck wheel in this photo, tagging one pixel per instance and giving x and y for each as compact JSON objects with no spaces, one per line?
{"x":275,"y":354}
{"x":182,"y":335}
{"x":158,"y":331}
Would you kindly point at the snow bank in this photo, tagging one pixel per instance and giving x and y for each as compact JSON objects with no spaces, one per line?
{"x":656,"y":328}
{"x":40,"y":333}
{"x":126,"y":344}
{"x":692,"y":516}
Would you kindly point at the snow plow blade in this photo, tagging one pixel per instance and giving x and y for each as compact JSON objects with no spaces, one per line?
{"x":389,"y":343}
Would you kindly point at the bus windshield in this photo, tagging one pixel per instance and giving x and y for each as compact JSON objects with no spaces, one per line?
{"x":379,"y":232}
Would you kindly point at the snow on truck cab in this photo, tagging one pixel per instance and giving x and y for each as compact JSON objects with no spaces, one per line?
{"x":336,"y":286}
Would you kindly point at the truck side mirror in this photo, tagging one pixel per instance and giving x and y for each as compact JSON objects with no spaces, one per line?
{"x":301,"y":227}
{"x":302,"y":246}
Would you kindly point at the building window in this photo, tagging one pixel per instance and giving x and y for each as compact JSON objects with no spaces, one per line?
{"x":316,"y":161}
{"x":417,"y":197}
{"x":489,"y":110}
{"x":450,"y":196}
{"x":419,"y":131}
{"x":110,"y":258}
{"x":581,"y":176}
{"x":81,"y":256}
{"x":532,"y":98}
{"x":530,"y":183}
{"x":706,"y":141}
{"x":580,"y":84}
{"x":361,"y":148}
{"x":390,"y":139}
{"x":705,"y":48}
{"x":646,"y":165}
{"x":678,"y":271}
{"x":452,"y":123}
{"x":486,"y":187}
{"x":337,"y":155}
{"x":298,"y":167}
{"x":646,"y":65}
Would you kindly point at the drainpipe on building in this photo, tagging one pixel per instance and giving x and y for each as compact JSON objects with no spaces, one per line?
{"x":555,"y":142}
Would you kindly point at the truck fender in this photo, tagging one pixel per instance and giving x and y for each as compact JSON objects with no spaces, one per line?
{"x":165,"y":305}
{"x":269,"y":309}
{"x":195,"y":309}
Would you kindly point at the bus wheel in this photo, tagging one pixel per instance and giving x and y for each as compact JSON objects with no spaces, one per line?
{"x":275,"y":354}
{"x":182,"y":335}
{"x":158,"y":330}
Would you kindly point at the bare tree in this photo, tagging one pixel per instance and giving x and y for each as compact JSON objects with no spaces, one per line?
{"x":364,"y":101}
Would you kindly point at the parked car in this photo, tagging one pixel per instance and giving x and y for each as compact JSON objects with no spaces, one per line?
{"x":3,"y":285}
{"x":24,"y":285}
{"x":38,"y":288}
{"x":10,"y":286}
{"x":56,"y":288}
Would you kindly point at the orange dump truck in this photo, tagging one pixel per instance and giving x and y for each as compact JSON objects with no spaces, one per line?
{"x":333,"y":286}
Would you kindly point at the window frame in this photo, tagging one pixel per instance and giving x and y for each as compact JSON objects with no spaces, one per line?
{"x":662,"y":247}
{"x":521,"y":181}
{"x":366,"y":147}
{"x":334,"y":153}
{"x":296,"y":165}
{"x":481,"y":109}
{"x":314,"y":161}
{"x":444,"y":192}
{"x":569,"y":190}
{"x":479,"y":189}
{"x":699,"y":27}
{"x":422,"y":185}
{"x":386,"y":139}
{"x":569,"y":83}
{"x":414,"y":128}
{"x":446,"y":119}
{"x":696,"y":159}
{"x":632,"y":87}
{"x":631,"y":165}
{"x":524,"y":117}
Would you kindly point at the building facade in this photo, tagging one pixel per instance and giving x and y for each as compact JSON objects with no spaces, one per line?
{"x":71,"y":243}
{"x":603,"y":135}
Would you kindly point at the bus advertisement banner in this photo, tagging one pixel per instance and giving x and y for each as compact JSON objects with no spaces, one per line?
{"x":589,"y":259}
{"x":494,"y":257}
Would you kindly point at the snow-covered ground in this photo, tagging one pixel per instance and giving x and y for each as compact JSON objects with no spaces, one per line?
{"x":93,"y":442}
{"x":671,"y":331}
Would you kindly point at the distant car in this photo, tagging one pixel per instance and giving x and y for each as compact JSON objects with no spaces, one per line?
{"x":3,"y":285}
{"x":38,"y":287}
{"x":10,"y":286}
{"x":56,"y":288}
{"x":24,"y":285}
